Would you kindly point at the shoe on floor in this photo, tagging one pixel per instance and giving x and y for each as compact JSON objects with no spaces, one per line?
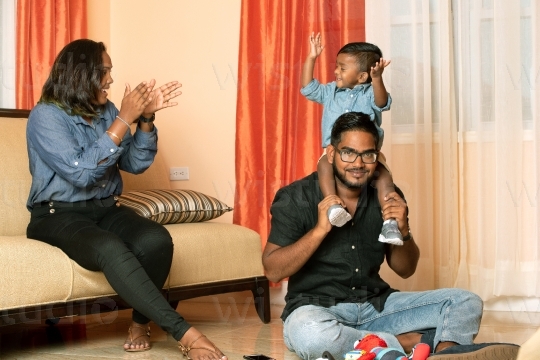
{"x":390,"y":233}
{"x":485,"y":351}
{"x":338,"y":216}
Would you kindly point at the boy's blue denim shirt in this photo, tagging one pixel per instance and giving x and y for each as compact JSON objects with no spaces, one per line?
{"x":337,"y":101}
{"x":73,"y":160}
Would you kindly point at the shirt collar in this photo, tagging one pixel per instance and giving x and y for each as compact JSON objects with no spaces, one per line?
{"x":357,"y":88}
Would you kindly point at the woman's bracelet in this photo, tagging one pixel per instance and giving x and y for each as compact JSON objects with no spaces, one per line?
{"x":113,"y":134}
{"x":122,"y":120}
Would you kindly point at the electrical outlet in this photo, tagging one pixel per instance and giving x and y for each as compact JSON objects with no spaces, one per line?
{"x":179,"y":173}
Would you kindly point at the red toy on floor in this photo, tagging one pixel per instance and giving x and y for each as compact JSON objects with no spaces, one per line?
{"x":372,"y":347}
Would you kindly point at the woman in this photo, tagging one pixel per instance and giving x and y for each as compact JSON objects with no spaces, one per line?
{"x":77,"y":143}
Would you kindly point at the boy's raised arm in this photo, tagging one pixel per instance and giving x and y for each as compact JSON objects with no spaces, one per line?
{"x":379,"y":90}
{"x":314,"y":51}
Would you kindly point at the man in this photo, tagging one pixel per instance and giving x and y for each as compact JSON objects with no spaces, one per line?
{"x":335,"y":294}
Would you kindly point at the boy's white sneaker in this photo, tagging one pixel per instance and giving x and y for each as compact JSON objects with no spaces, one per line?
{"x":338,"y":216}
{"x":390,"y":233}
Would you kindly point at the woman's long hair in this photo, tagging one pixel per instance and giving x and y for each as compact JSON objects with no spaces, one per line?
{"x":75,"y":78}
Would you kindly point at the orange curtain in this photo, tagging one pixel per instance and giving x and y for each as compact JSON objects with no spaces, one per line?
{"x":43,"y":29}
{"x":278,"y":137}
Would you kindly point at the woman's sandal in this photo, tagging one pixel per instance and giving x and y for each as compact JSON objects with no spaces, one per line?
{"x":131,"y":339}
{"x":185,"y":350}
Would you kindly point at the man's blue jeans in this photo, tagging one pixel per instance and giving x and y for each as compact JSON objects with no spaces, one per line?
{"x":454,"y":313}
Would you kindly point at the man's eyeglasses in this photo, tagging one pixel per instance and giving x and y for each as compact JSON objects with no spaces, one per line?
{"x":350,"y":156}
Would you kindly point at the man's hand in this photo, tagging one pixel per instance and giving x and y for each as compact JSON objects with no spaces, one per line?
{"x":402,"y":259}
{"x":323,"y":223}
{"x":315,"y":47}
{"x":395,"y":207}
{"x":281,"y":262}
{"x":378,"y":69}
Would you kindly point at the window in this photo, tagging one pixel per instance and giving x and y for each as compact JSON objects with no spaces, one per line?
{"x":480,"y":63}
{"x":408,"y":69}
{"x":483,"y":67}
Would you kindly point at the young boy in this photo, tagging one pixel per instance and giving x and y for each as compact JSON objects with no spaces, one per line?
{"x":358,"y":87}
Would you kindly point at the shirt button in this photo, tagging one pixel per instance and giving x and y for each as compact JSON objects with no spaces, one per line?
{"x":51,"y":211}
{"x":103,"y":185}
{"x":356,"y":270}
{"x":76,"y":163}
{"x":353,"y":246}
{"x":112,"y":150}
{"x":353,"y":288}
{"x":352,"y":95}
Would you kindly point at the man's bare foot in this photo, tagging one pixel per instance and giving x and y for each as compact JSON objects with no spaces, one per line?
{"x":138,"y":338}
{"x":196,"y":346}
{"x":408,"y":340}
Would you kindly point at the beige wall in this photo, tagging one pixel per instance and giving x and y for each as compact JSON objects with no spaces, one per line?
{"x":196,"y":43}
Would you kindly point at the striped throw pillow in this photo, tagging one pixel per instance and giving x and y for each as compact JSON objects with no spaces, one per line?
{"x":174,"y":206}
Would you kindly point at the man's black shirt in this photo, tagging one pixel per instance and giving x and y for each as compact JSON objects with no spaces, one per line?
{"x":345,"y":267}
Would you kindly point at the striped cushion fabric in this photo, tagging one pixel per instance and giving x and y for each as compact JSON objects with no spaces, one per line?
{"x":174,"y":206}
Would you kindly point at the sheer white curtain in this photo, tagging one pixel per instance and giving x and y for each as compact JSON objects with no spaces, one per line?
{"x":7,"y":53}
{"x":463,"y":139}
{"x":497,"y":50}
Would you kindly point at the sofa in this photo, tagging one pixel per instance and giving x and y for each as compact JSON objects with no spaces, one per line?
{"x":40,"y":282}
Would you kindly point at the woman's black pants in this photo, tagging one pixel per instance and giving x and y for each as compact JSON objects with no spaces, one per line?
{"x":134,"y":253}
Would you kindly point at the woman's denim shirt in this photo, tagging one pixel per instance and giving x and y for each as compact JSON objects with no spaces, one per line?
{"x":73,"y":160}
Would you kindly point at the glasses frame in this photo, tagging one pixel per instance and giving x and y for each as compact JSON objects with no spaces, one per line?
{"x":358,"y":155}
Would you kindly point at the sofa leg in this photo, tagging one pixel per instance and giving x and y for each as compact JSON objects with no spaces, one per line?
{"x":174,"y":304}
{"x":52,"y":321}
{"x":261,"y":296}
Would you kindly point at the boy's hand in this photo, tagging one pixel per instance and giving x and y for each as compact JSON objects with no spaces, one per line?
{"x":315,"y":48}
{"x":377,"y":70}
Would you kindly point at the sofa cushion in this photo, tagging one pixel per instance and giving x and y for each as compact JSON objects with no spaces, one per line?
{"x":212,"y":251}
{"x":33,"y":273}
{"x":174,"y":206}
{"x":89,"y":284}
{"x":195,"y":247}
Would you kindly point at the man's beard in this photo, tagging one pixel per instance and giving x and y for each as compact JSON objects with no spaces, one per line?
{"x":341,"y":177}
